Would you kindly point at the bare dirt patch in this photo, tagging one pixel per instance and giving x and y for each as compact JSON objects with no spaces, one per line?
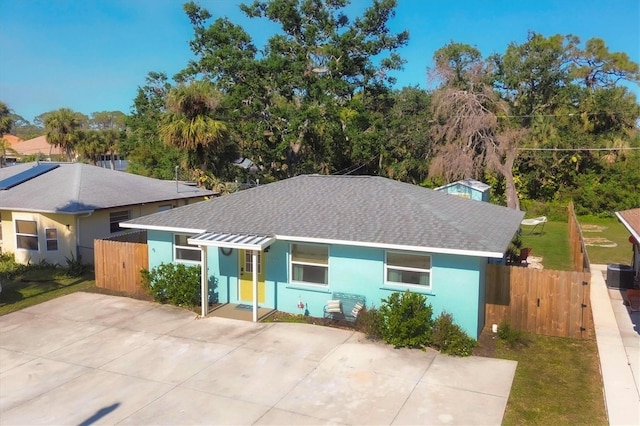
{"x":593,"y":228}
{"x":486,"y":344}
{"x":599,"y":242}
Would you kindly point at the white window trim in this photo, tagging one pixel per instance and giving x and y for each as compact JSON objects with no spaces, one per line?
{"x":15,"y":227}
{"x":187,"y":247}
{"x":292,"y":262}
{"x":409,"y":269}
{"x":56,"y":239}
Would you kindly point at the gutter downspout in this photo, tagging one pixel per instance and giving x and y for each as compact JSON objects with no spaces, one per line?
{"x":78,"y":217}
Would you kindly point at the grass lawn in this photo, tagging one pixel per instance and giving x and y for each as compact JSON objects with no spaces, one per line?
{"x":599,"y":233}
{"x":602,"y":232}
{"x":37,"y":284}
{"x":552,"y":245}
{"x":557,"y":381}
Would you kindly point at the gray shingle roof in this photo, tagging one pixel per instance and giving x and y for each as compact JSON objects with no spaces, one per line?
{"x":353,"y":209}
{"x":77,"y":188}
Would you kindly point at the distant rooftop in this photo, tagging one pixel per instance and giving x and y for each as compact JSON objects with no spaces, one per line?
{"x":72,"y":188}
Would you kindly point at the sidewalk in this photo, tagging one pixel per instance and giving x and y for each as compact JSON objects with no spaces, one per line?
{"x":619,"y":350}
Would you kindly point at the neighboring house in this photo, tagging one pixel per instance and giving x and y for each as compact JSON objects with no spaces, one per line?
{"x":468,"y":188}
{"x":9,"y":154}
{"x":52,"y":211}
{"x":38,"y":146}
{"x":310,"y":236}
{"x":631,"y":220}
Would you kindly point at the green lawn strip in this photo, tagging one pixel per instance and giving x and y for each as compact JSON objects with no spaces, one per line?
{"x":552,"y":245}
{"x":35,"y":286}
{"x":613,"y":231}
{"x":557,"y":381}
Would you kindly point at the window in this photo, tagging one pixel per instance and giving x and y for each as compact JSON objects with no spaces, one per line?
{"x":183,"y":251}
{"x":115,"y":218}
{"x":165,"y":207}
{"x":248,"y":261}
{"x":408,"y":269}
{"x":51,"y":235}
{"x":310,"y":264}
{"x":27,"y":234}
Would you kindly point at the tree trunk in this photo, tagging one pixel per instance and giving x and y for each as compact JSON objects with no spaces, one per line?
{"x":513,"y":201}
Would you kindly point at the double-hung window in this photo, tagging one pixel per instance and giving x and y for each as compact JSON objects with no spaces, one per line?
{"x":115,"y":218}
{"x":27,"y":235}
{"x":310,"y":264}
{"x":408,"y":269}
{"x":51,"y":236}
{"x":183,"y":252}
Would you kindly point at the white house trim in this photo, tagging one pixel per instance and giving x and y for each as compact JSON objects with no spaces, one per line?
{"x":162,"y":228}
{"x":392,"y":246}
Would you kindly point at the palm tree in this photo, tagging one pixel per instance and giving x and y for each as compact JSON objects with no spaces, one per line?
{"x":91,"y":144}
{"x":5,"y":126}
{"x":189,"y":123}
{"x":61,"y":127}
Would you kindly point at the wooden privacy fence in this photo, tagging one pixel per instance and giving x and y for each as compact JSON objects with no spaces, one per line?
{"x":118,"y":263}
{"x":576,"y":243}
{"x":553,"y":303}
{"x":543,"y":301}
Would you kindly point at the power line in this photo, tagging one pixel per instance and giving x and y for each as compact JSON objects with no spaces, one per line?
{"x":579,"y":149}
{"x":356,"y":169}
{"x":348,"y":170}
{"x":569,"y":114}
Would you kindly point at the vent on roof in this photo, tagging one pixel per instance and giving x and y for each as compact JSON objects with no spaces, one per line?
{"x":26,"y":175}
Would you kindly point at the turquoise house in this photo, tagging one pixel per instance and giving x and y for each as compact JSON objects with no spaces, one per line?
{"x":290,"y":245}
{"x":468,"y":188}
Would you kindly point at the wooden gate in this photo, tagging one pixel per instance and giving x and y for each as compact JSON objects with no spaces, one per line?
{"x":118,"y":264}
{"x":553,"y":303}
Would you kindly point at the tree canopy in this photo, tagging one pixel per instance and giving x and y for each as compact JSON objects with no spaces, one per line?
{"x":546,"y":120}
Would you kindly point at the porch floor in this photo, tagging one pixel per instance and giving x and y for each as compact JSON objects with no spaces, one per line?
{"x":239,"y":312}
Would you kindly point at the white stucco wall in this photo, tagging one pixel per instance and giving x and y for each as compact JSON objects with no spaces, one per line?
{"x":76,"y":233}
{"x":66,"y":237}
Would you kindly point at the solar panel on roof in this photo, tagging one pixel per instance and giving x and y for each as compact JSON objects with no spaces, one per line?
{"x":26,"y":175}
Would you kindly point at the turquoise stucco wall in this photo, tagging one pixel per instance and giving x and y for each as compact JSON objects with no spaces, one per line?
{"x":457,"y":281}
{"x":160,"y":245}
{"x":474,"y":194}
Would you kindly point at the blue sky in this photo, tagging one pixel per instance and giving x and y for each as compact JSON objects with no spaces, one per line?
{"x":91,"y":55}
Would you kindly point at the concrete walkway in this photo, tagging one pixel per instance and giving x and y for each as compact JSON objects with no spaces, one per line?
{"x":618,"y":339}
{"x":90,"y":358}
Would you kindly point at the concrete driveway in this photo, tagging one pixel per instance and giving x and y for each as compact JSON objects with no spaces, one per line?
{"x":96,"y":359}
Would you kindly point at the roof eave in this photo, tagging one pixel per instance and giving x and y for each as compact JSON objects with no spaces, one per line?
{"x":627,"y":225}
{"x":425,"y":249}
{"x":44,"y":211}
{"x":162,"y":228}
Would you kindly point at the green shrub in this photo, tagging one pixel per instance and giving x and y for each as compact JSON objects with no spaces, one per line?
{"x":369,"y":322}
{"x":449,"y":338}
{"x":75,"y":267}
{"x":406,"y":320}
{"x":555,"y":211}
{"x":510,"y":336}
{"x":9,"y":268}
{"x":176,"y":284}
{"x":513,"y":250}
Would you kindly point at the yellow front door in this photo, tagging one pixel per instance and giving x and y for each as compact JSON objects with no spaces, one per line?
{"x":245,"y":291}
